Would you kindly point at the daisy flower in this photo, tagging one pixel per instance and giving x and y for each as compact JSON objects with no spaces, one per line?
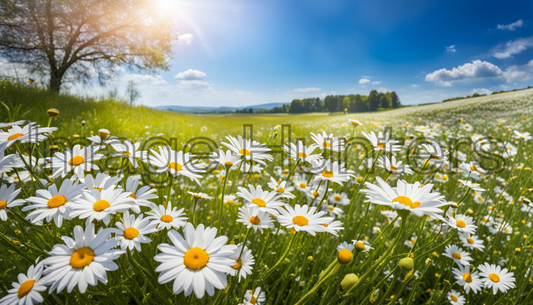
{"x":463,"y":223}
{"x":472,"y":170}
{"x":225,"y":159}
{"x":100,"y":182}
{"x":174,"y":163}
{"x":362,"y":245}
{"x":196,"y":261}
{"x":7,"y":199}
{"x":200,"y":196}
{"x":382,"y":142}
{"x":302,"y":153}
{"x":252,"y":217}
{"x":303,"y":218}
{"x":7,"y":162}
{"x":142,"y":195}
{"x":127,"y":150}
{"x":415,"y":198}
{"x":339,"y":198}
{"x":457,"y":254}
{"x":30,"y":133}
{"x":283,"y":190}
{"x":28,"y":288}
{"x":99,"y":205}
{"x":331,"y":210}
{"x":301,"y":183}
{"x":456,"y":298}
{"x":333,"y":226}
{"x":256,"y":297}
{"x":248,"y":149}
{"x":78,"y":160}
{"x":230,"y":199}
{"x":166,"y":217}
{"x":471,"y":241}
{"x":131,"y":231}
{"x":81,"y":261}
{"x":103,"y":134}
{"x":344,"y":253}
{"x":526,"y":136}
{"x":355,"y":123}
{"x":266,"y":201}
{"x":466,"y":279}
{"x":434,"y":154}
{"x":325,"y":141}
{"x":493,"y":276}
{"x":393,"y":166}
{"x":8,"y":124}
{"x":331,"y":171}
{"x":243,"y":264}
{"x":474,"y":186}
{"x":53,"y":204}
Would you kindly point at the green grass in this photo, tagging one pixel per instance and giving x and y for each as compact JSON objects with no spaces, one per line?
{"x":299,"y":273}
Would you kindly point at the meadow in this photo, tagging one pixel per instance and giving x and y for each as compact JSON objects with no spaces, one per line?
{"x":339,"y":221}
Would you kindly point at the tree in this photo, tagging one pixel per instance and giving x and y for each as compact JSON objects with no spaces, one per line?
{"x":132,"y":93}
{"x":384,"y":101}
{"x":395,"y":100}
{"x":373,"y":100}
{"x":81,"y":40}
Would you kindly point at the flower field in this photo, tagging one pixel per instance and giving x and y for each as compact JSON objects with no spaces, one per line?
{"x":103,"y":203}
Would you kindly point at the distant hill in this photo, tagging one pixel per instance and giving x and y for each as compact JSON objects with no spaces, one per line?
{"x":223,"y":109}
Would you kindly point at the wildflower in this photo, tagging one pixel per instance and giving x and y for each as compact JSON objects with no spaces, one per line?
{"x":457,"y":254}
{"x":344,"y":253}
{"x":331,"y":171}
{"x":393,"y":166}
{"x":31,"y":133}
{"x":329,"y":142}
{"x":456,"y":298}
{"x":244,"y":263}
{"x":265,"y":201}
{"x":339,"y":198}
{"x":471,"y":241}
{"x":303,"y":218}
{"x":7,"y":199}
{"x":469,"y":280}
{"x":248,"y":149}
{"x":99,"y":205}
{"x":493,"y":276}
{"x":131,"y":231}
{"x":382,"y":142}
{"x":142,"y":195}
{"x":78,"y":160}
{"x":166,"y":217}
{"x":462,"y":223}
{"x":252,"y":217}
{"x":28,"y":288}
{"x":301,"y":152}
{"x":127,"y":150}
{"x":256,"y":297}
{"x":174,"y":163}
{"x":196,"y":261}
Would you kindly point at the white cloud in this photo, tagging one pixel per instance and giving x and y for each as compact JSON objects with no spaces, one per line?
{"x":376,"y":82}
{"x":190,"y":75}
{"x":364,"y":81}
{"x":511,"y":27}
{"x":504,"y":87}
{"x":145,"y":79}
{"x":511,"y":48}
{"x":451,"y":49}
{"x":519,"y":73}
{"x":476,"y":70}
{"x":306,"y":90}
{"x":185,"y":38}
{"x":482,"y":91}
{"x":414,"y":85}
{"x":194,"y":84}
{"x":382,"y":90}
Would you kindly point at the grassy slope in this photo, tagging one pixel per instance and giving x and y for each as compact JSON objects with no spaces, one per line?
{"x":30,"y":103}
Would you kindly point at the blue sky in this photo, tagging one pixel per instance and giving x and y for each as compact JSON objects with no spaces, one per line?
{"x":238,"y":53}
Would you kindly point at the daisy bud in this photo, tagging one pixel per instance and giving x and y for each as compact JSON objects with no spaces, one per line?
{"x":344,"y":256}
{"x":53,"y":112}
{"x":104,"y":133}
{"x":54,"y":147}
{"x":83,"y":123}
{"x":349,"y":281}
{"x":407,"y":264}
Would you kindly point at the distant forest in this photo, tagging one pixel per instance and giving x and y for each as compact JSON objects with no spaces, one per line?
{"x":336,"y":103}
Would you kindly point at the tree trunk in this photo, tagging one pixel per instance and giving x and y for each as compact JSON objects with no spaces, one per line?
{"x":55,"y":82}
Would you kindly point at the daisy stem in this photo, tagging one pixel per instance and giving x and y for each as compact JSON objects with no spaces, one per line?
{"x":292,"y":171}
{"x":235,"y":178}
{"x":281,"y":259}
{"x":329,"y":272}
{"x":194,"y":211}
{"x":242,"y":249}
{"x":29,"y":168}
{"x":438,"y":246}
{"x":325,"y":194}
{"x":219,"y":223}
{"x":415,"y":286}
{"x":377,"y":239}
{"x":21,"y":184}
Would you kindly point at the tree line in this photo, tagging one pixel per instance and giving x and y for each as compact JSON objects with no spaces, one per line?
{"x":336,"y":103}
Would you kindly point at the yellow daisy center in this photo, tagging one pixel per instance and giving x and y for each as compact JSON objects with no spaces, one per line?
{"x":56,"y":201}
{"x":393,"y":168}
{"x":344,"y":256}
{"x":315,"y":194}
{"x":327,"y":174}
{"x":133,"y":195}
{"x":230,"y":201}
{"x":406,"y":201}
{"x":454,"y":298}
{"x":302,"y":155}
{"x":303,"y":185}
{"x":238,"y":264}
{"x":15,"y":136}
{"x":82,"y":257}
{"x":456,"y":256}
{"x":359,"y":246}
{"x":494,"y":277}
{"x":331,"y":208}
{"x":460,"y":224}
{"x":77,"y":160}
{"x":470,"y":241}
{"x":98,"y":188}
{"x":196,"y":258}
{"x":359,"y":179}
{"x":479,"y":198}
{"x":337,"y":198}
{"x":326,"y":144}
{"x":198,"y":196}
{"x":467,"y":277}
{"x":254,"y":220}
{"x":260,"y":202}
{"x":253,"y":300}
{"x":167,"y":218}
{"x":130,"y":233}
{"x":3,"y":204}
{"x":227,"y":163}
{"x":175,"y":166}
{"x":435,"y":157}
{"x":280,"y":190}
{"x":244,"y":152}
{"x":300,"y":220}
{"x":101,"y":205}
{"x":25,"y":288}
{"x":473,"y":168}
{"x":444,"y":177}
